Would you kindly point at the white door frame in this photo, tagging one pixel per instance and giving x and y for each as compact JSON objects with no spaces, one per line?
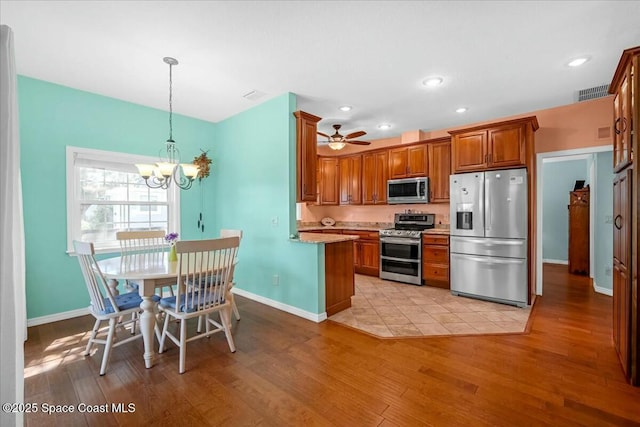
{"x":563,"y":155}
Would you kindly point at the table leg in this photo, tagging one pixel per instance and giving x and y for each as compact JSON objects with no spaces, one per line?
{"x":147,"y":325}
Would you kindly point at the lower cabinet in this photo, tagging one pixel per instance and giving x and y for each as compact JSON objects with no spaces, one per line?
{"x":366,"y":252}
{"x":435,"y":260}
{"x":339,"y":280}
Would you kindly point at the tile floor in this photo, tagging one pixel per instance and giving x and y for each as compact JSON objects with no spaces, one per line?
{"x":390,"y":309}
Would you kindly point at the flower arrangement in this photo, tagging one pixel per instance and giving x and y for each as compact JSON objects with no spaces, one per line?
{"x":171,"y":238}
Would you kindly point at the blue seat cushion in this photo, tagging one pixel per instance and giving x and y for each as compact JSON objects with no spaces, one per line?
{"x":125,"y":302}
{"x":170,"y":302}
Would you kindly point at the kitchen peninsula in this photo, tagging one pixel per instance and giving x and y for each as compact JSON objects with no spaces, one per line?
{"x":338,"y":268}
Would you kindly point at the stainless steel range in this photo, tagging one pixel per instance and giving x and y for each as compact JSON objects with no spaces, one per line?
{"x":401,"y":247}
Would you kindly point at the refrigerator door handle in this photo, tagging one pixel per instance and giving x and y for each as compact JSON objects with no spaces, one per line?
{"x":494,"y":242}
{"x":487,"y":196}
{"x":491,"y":260}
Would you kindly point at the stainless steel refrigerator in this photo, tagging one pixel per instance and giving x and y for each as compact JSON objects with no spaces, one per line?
{"x":488,"y":252}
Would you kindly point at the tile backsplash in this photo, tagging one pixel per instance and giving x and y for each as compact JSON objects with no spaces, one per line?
{"x":367,"y":213}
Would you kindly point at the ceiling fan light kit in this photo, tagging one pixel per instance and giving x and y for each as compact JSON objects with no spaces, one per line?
{"x":338,"y":142}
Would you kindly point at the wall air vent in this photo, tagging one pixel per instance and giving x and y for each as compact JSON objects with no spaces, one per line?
{"x":593,"y":93}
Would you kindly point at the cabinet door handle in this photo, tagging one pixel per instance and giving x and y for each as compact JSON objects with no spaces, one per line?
{"x":616,"y":223}
{"x":622,"y":120}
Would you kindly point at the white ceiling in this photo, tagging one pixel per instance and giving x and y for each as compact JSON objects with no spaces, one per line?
{"x":497,"y":58}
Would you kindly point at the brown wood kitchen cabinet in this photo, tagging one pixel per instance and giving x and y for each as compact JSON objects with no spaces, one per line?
{"x":374,"y":177}
{"x":407,"y":162}
{"x":350,"y":176}
{"x":625,"y":86}
{"x":328,"y":184}
{"x":439,"y":155}
{"x":366,"y":255}
{"x":625,"y":89}
{"x":306,"y":156}
{"x":435,"y":260}
{"x":494,"y":146}
{"x":621,"y":268}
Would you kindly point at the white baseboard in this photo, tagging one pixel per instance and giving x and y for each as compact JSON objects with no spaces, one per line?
{"x":601,"y":290}
{"x":281,"y":306}
{"x":555,"y":261}
{"x":57,"y":317}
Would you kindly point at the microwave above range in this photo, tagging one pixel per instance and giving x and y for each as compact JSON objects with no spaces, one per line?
{"x":408,"y":190}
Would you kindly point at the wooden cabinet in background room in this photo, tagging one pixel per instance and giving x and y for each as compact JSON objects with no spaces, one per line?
{"x":374,"y":177}
{"x":439,"y":155}
{"x":624,"y":87}
{"x":435,"y":260}
{"x":495,"y":146}
{"x":407,"y":162}
{"x":579,"y":231}
{"x":622,"y":291}
{"x":366,"y":255}
{"x":349,"y":172}
{"x":328,"y":185}
{"x":306,"y":156}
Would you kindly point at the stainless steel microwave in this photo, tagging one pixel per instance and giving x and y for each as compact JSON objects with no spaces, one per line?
{"x":408,"y":190}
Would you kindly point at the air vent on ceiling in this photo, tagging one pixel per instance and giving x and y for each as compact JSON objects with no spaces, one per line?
{"x":253,"y":95}
{"x":593,"y":93}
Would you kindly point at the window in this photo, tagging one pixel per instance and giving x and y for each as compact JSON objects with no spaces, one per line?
{"x":105,"y":195}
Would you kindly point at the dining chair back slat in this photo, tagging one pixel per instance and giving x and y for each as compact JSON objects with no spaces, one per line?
{"x":132,"y":242}
{"x":93,"y":276}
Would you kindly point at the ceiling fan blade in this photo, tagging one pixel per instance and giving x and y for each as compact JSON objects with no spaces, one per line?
{"x":323,"y":134}
{"x":358,"y":142}
{"x":355,"y":134}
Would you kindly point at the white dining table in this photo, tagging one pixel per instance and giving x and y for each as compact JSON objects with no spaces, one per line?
{"x":150,"y":271}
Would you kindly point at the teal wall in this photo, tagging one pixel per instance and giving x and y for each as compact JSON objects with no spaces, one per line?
{"x":52,"y":117}
{"x":603,"y":230}
{"x":254,"y":190}
{"x":252,"y":181}
{"x":558,"y":180}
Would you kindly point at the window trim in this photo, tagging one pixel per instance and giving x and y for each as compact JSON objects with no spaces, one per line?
{"x":73,"y":220}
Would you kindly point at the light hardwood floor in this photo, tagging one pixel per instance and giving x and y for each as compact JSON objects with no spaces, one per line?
{"x":292,"y":372}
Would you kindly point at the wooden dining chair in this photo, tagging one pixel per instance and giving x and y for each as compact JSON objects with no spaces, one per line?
{"x":148,"y":242}
{"x":205,"y":269}
{"x":106,"y":306}
{"x":225,"y":232}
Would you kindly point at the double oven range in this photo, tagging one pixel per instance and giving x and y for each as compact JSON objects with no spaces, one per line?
{"x":401,"y":247}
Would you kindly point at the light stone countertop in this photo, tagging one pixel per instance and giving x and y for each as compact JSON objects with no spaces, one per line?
{"x":323,"y":238}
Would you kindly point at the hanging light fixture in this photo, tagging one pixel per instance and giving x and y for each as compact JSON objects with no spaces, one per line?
{"x":336,"y":144}
{"x":169,"y":169}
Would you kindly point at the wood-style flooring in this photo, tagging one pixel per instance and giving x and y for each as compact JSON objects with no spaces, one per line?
{"x":292,"y":372}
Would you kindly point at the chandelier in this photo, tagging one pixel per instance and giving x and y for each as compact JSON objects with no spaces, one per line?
{"x":169,"y":169}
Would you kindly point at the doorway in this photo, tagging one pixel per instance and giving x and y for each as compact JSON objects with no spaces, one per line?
{"x":563,"y":168}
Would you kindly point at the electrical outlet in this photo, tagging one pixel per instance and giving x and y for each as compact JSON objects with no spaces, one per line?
{"x":275,"y":281}
{"x":607,"y":271}
{"x":608,"y":219}
{"x":274,"y":221}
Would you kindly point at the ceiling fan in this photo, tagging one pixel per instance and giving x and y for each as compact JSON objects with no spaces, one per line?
{"x":337,"y":141}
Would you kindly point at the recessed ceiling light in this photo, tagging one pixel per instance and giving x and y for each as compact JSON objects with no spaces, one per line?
{"x":461,"y":110}
{"x":384,"y":126}
{"x":578,"y":61}
{"x":345,"y":108}
{"x":432,"y":81}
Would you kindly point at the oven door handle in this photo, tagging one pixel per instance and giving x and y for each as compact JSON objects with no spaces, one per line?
{"x":400,"y":259}
{"x":400,"y":240}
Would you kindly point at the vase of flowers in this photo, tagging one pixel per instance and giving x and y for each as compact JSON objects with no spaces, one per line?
{"x":172,"y":238}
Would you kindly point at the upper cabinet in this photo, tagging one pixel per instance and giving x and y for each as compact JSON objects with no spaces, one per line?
{"x":439,"y":154}
{"x":374,"y":177}
{"x":350,"y":176}
{"x":407,"y":162}
{"x":328,"y":189}
{"x":624,"y":87}
{"x":492,"y":146}
{"x":306,"y":156}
